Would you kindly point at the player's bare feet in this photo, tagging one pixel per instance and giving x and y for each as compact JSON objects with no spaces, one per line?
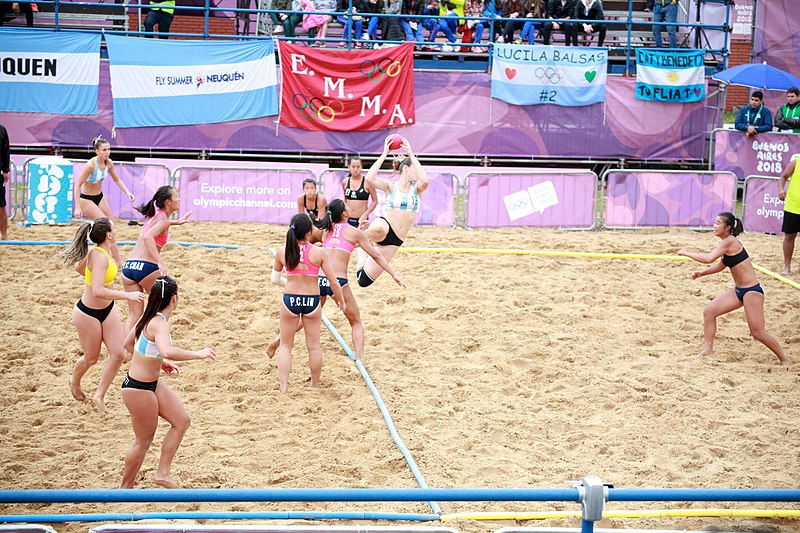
{"x":99,"y":404}
{"x":786,"y":271}
{"x":273,"y":347}
{"x":707,"y":350}
{"x":77,"y":393}
{"x":786,"y":361}
{"x":165,"y":481}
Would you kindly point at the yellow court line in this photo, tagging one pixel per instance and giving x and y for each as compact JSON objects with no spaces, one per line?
{"x":596,"y":255}
{"x":549,"y":253}
{"x":705,"y":513}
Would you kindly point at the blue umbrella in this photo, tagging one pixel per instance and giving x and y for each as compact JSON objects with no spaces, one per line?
{"x":758,"y":76}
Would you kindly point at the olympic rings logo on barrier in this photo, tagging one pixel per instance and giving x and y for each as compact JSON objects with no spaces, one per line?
{"x":550,"y":74}
{"x":387,"y":67}
{"x":317,"y":106}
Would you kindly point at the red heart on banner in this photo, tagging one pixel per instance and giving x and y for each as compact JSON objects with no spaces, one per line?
{"x":510,"y":73}
{"x":697,"y":91}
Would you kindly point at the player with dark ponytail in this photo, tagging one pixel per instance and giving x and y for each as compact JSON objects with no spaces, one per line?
{"x":747,"y":292}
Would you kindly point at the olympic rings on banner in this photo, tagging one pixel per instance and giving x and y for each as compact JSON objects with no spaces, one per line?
{"x":386,"y":66}
{"x":317,"y":106}
{"x":550,"y":75}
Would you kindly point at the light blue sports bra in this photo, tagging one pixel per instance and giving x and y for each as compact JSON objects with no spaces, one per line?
{"x":98,"y":175}
{"x":147,"y":348}
{"x":403,"y":201}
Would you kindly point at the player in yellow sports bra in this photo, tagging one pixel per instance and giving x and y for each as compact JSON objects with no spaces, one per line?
{"x":96,"y":319}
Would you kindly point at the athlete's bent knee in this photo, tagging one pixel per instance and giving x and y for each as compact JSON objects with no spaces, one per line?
{"x":363,"y":278}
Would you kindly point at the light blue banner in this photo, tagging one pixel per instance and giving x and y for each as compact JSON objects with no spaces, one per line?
{"x":670,"y":76}
{"x":50,"y":193}
{"x":49,"y":72}
{"x":171,"y":83}
{"x":559,"y":75}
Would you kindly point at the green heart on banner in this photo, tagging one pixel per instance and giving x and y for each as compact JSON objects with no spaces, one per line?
{"x":590,"y":75}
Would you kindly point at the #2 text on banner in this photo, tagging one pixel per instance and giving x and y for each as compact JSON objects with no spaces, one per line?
{"x":560,"y":75}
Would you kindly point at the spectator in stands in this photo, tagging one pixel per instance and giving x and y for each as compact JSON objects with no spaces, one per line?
{"x":372,"y":8}
{"x":492,"y":11}
{"x":754,"y":118}
{"x":314,"y":22}
{"x":449,"y":26}
{"x":161,"y":12}
{"x":665,"y":11}
{"x":791,"y":211}
{"x":533,"y":10}
{"x":472,"y":30}
{"x":648,"y":6}
{"x":788,"y":116}
{"x":285,"y":20}
{"x":514,"y":10}
{"x":391,"y":27}
{"x":559,"y":9}
{"x":589,"y":10}
{"x":431,"y":24}
{"x":351,"y":20}
{"x":17,"y":7}
{"x":413,"y":26}
{"x":5,"y":168}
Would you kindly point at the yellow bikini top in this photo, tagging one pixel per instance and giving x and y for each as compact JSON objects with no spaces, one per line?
{"x":111,"y":271}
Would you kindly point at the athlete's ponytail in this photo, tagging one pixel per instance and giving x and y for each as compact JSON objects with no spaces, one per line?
{"x":733,"y":222}
{"x":161,"y":293}
{"x":160,"y":198}
{"x":333,"y":216}
{"x":93,"y":230}
{"x":298,"y":229}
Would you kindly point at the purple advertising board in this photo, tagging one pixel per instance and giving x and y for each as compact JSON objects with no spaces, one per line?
{"x":541,"y":199}
{"x":437,"y":207}
{"x":766,"y":155}
{"x":141,"y":179}
{"x":678,"y":198}
{"x":777,"y":40}
{"x":763,"y":210}
{"x":226,"y":194}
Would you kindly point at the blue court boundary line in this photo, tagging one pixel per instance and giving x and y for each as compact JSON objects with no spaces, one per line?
{"x":387,"y":417}
{"x":126,"y":243}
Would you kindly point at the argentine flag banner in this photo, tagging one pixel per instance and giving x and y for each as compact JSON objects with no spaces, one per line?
{"x":670,"y":76}
{"x":560,"y":75}
{"x":49,"y":72}
{"x":156,"y":82}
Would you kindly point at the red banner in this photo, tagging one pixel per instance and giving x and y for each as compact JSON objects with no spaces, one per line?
{"x":347,"y":90}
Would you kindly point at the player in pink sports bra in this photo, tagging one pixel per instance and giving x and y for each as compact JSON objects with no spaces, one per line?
{"x":339,"y":241}
{"x":303,"y":262}
{"x":145,"y":263}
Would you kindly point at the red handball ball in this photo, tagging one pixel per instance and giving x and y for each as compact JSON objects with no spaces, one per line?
{"x":395,"y":141}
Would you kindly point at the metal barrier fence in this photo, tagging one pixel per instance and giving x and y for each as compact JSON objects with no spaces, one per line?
{"x":562,"y":198}
{"x":541,"y":198}
{"x":643,"y":198}
{"x":762,"y":210}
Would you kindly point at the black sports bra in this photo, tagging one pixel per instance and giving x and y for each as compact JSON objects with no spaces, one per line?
{"x":731,"y":261}
{"x":358,"y":194}
{"x":313,"y":213}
